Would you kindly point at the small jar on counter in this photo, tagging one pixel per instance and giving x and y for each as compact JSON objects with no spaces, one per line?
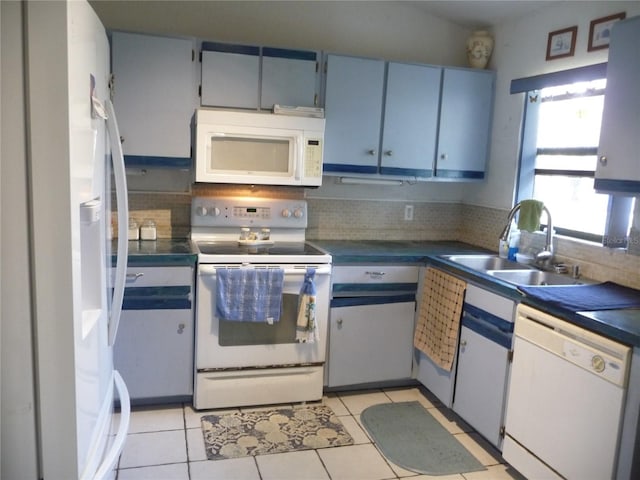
{"x":265,"y":234}
{"x":133,"y":234}
{"x":148,"y":230}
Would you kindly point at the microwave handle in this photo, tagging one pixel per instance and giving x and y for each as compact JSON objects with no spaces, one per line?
{"x":299,"y":149}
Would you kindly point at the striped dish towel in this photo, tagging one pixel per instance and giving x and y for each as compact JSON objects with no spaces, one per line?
{"x":439,"y":316}
{"x":306,"y":327}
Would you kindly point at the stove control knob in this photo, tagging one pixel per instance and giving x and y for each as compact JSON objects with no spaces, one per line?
{"x":214,"y":212}
{"x":201,"y":211}
{"x":298,"y":213}
{"x":286,"y":213}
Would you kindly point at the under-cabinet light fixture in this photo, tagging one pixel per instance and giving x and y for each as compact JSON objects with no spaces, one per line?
{"x":368,"y":181}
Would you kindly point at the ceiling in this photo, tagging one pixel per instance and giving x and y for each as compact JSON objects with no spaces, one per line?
{"x":479,"y":13}
{"x":470,"y":14}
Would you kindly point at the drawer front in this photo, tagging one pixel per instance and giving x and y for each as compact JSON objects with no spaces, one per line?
{"x":157,"y":276}
{"x":375,"y":274}
{"x":490,"y":302}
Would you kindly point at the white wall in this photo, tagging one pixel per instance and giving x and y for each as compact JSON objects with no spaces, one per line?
{"x":520,"y":51}
{"x":386,"y":29}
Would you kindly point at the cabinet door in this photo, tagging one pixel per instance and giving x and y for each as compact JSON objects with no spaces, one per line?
{"x":410,"y":120}
{"x":370,"y":343}
{"x":620,"y":134}
{"x":289,"y":77}
{"x":465,"y":123}
{"x":230,"y":75}
{"x":353,"y":110}
{"x":481,"y":384}
{"x":154,"y":353}
{"x":155,"y":94}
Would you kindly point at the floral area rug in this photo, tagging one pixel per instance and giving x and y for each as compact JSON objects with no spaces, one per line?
{"x":263,"y":432}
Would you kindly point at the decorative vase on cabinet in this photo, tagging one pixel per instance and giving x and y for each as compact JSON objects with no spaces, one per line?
{"x":479,"y":48}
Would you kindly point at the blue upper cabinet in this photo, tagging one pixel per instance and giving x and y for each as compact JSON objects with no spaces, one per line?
{"x":618,"y":168}
{"x":381,"y":118}
{"x":241,"y":76}
{"x":465,"y":123}
{"x":410,"y":120}
{"x":155,"y":97}
{"x":289,"y":77}
{"x":230,"y":75}
{"x":396,"y":119}
{"x":353,"y":112}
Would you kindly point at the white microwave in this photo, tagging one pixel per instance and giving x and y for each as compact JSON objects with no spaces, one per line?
{"x":258,"y":148}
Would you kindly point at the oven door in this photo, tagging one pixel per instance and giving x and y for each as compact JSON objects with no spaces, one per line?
{"x":231,"y":344}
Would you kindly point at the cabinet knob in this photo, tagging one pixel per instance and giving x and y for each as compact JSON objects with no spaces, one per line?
{"x":603,"y":160}
{"x":443,"y":156}
{"x":389,"y":153}
{"x":463,"y":343}
{"x":371,"y":152}
{"x":181,"y":327}
{"x":121,"y":139}
{"x":339,"y":322}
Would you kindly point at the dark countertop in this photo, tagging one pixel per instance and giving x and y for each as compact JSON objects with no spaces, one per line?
{"x":162,"y":252}
{"x":394,"y":251}
{"x":620,"y":325}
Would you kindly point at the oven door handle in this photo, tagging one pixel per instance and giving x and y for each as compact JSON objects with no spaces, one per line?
{"x":210,"y":270}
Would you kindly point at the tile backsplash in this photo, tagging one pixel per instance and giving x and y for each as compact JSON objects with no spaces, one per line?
{"x":384,"y":220}
{"x":480,"y":226}
{"x":170,"y":212}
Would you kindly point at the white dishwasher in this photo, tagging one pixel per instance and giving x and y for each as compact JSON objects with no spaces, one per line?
{"x":566,"y":398}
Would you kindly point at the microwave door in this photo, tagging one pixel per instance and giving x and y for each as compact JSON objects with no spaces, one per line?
{"x":259,"y":159}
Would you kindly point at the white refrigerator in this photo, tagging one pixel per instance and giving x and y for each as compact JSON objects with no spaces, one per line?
{"x":60,"y":152}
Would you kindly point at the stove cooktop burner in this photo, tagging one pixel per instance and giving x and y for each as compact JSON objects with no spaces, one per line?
{"x":278,"y":248}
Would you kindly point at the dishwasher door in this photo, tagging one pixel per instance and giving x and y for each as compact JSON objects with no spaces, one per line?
{"x":566,"y":396}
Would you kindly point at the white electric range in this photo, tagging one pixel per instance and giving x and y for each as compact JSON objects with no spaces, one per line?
{"x":241,"y":363}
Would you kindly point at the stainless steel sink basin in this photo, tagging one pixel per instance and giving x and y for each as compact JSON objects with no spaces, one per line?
{"x":534,"y":277}
{"x":485,"y":262}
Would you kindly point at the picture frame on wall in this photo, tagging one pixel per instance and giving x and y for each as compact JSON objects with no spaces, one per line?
{"x":562,"y":43}
{"x":600,"y":31}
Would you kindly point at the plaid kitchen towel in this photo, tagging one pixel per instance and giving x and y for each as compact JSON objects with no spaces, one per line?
{"x":439,"y":316}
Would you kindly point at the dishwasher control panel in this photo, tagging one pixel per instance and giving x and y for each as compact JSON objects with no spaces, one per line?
{"x":599,"y":355}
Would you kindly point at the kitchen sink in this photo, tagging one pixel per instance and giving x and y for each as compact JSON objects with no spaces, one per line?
{"x":485,"y":262}
{"x":534,"y":277}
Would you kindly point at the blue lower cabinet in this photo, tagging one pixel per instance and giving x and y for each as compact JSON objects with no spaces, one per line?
{"x":154,"y":346}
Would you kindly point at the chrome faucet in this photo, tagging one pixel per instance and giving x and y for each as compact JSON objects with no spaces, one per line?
{"x":543,"y":257}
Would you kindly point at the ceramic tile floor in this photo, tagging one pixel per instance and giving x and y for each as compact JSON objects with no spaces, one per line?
{"x":166,"y":443}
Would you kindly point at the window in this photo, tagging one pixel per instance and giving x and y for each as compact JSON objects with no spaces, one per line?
{"x":559,"y":155}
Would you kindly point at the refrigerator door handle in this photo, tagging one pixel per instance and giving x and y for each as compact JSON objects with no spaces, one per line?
{"x":111,"y":457}
{"x":120,"y":180}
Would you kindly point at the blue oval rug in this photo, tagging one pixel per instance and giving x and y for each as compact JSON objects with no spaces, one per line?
{"x":409,"y":436}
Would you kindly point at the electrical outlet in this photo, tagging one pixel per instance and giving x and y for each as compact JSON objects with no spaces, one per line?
{"x":408,"y":212}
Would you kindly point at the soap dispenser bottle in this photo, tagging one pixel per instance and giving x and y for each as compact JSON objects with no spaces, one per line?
{"x":514,"y":242}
